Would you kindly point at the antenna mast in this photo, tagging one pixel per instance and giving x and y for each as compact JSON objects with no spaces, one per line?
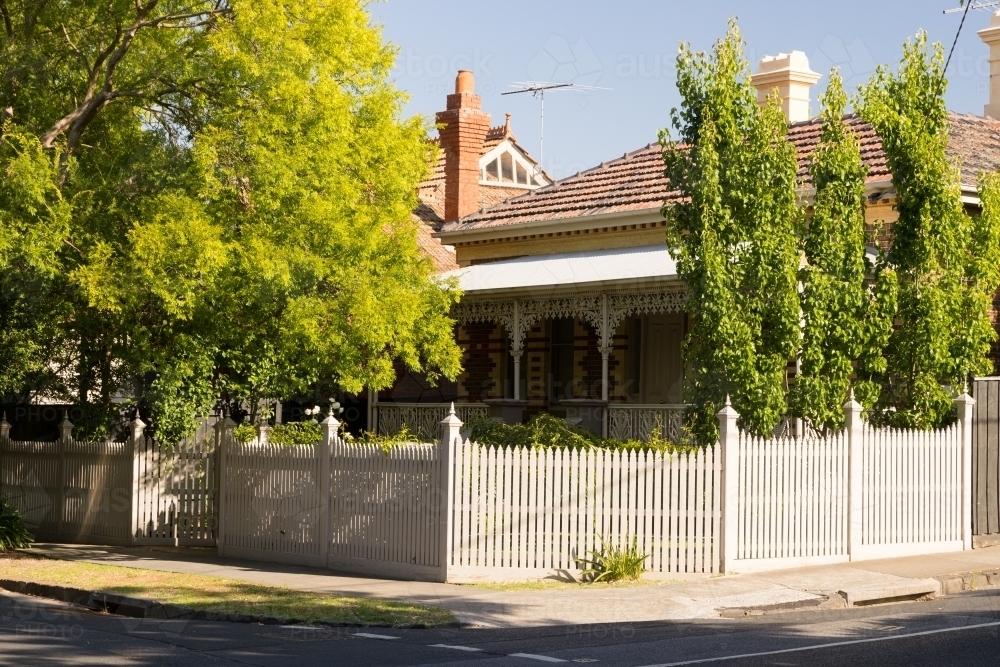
{"x":537,"y":89}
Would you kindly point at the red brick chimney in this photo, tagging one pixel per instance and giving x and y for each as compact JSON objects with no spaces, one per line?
{"x":464,"y":130}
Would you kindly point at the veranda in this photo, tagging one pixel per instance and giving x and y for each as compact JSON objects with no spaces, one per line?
{"x":607,"y":359}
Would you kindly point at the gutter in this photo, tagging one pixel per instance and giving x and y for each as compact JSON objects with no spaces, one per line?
{"x":572,"y":223}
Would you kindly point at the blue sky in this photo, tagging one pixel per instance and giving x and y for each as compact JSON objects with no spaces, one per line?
{"x":630,"y":46}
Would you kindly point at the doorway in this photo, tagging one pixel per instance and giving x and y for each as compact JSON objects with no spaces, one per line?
{"x":661,"y":368}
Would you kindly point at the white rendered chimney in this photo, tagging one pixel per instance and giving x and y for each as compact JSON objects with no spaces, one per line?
{"x":789,"y":75}
{"x":991,"y":36}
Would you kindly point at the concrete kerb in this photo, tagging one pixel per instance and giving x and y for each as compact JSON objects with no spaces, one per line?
{"x":968,"y":581}
{"x":133,"y":607}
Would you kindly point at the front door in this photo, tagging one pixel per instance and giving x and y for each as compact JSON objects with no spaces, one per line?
{"x":663,"y":371}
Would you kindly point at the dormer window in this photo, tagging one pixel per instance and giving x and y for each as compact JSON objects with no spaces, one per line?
{"x":506,"y":166}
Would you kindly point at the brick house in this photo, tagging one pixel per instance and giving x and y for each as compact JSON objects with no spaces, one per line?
{"x":571,"y":301}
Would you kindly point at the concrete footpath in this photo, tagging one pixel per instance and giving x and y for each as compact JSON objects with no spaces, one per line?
{"x":827,"y":586}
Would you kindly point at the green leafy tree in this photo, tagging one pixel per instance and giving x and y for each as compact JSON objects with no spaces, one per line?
{"x":944,"y":261}
{"x":734,"y":238}
{"x":844,"y":319}
{"x":208,"y":199}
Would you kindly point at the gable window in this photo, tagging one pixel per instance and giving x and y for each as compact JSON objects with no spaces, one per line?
{"x":522,"y":175}
{"x":507,"y":167}
{"x":492,"y":171}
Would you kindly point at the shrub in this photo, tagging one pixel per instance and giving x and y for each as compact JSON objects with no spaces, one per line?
{"x":13,"y":534}
{"x":245,"y":433}
{"x":545,"y":430}
{"x":296,"y":433}
{"x":613,"y":563}
{"x":386,"y":442}
{"x":291,"y":434}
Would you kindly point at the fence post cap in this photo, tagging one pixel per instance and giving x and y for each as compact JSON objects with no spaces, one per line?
{"x":852,"y":404}
{"x":137,"y":421}
{"x":727,"y":411}
{"x":4,"y":419}
{"x":451,"y":419}
{"x":65,"y":424}
{"x":225,"y":423}
{"x":965,"y":399}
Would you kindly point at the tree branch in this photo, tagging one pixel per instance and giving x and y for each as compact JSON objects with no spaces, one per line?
{"x":8,"y":26}
{"x":74,"y":123}
{"x":75,"y":48}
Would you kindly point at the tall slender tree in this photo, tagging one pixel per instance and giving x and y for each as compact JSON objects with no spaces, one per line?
{"x":734,"y":238}
{"x":842,"y":317}
{"x":945,"y":261}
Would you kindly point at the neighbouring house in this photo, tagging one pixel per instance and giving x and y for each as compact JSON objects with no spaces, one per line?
{"x":571,"y":302}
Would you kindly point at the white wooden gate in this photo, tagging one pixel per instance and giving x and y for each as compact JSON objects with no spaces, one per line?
{"x":112,"y":492}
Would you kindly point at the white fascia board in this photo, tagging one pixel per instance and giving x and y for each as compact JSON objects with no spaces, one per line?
{"x":576,"y":288}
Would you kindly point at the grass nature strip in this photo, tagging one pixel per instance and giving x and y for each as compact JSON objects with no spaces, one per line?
{"x":216,"y":594}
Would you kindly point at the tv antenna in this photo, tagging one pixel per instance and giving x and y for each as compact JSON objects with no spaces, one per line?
{"x":537,"y":89}
{"x":972,"y":5}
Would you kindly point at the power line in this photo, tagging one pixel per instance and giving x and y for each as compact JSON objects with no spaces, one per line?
{"x":979,"y":5}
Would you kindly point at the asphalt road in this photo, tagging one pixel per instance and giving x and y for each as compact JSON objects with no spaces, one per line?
{"x":959,"y":630}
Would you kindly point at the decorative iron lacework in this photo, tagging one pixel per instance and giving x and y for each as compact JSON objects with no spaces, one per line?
{"x":518,"y":319}
{"x":624,"y":304}
{"x":639,"y":422}
{"x":501,"y":312}
{"x":423,"y":420}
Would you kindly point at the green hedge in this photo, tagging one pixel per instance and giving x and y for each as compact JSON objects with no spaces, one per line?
{"x":547,"y":431}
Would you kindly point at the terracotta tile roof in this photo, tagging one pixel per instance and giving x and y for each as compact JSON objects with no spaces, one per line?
{"x":443,"y":256}
{"x":636,"y":182}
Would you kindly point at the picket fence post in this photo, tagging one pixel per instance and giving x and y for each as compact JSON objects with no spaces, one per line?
{"x":65,"y":438}
{"x":330,"y":439}
{"x":451,"y":427}
{"x":135,"y":441}
{"x":854,"y":426}
{"x":223,"y":438}
{"x":964,"y":404}
{"x":729,"y":445}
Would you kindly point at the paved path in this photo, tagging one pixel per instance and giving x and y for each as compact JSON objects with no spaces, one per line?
{"x":692,"y":598}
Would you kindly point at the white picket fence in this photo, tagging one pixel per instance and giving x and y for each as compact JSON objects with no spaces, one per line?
{"x":120,"y":493}
{"x":793,"y":500}
{"x":858,"y":494}
{"x":522,"y":512}
{"x":913,"y":496}
{"x":271,"y":502}
{"x":461,"y":511}
{"x":385,"y":510}
{"x":339,"y":505}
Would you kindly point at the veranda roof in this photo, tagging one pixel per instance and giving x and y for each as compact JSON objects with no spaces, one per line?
{"x":569,"y":272}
